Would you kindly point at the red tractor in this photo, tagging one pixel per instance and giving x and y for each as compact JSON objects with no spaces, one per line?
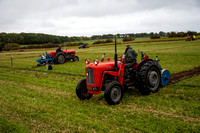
{"x":57,"y":57}
{"x":108,"y":76}
{"x":190,"y":38}
{"x":63,"y":56}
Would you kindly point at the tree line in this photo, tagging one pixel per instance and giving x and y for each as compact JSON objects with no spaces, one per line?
{"x":135,"y":35}
{"x":40,"y":38}
{"x":37,"y":38}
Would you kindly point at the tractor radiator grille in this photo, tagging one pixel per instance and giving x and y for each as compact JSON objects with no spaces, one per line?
{"x":90,"y":76}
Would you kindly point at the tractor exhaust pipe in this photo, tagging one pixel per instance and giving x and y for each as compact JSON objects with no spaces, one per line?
{"x":115,"y":54}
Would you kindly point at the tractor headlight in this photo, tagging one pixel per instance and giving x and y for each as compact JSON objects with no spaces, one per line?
{"x":96,"y":62}
{"x":87,"y":61}
{"x":108,"y":58}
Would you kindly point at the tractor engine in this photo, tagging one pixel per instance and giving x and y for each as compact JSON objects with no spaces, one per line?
{"x":94,"y":73}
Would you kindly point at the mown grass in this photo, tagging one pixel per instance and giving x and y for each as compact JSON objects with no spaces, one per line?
{"x":37,"y":100}
{"x":10,"y":127}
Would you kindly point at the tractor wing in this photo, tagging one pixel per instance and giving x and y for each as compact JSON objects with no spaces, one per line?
{"x":52,"y":54}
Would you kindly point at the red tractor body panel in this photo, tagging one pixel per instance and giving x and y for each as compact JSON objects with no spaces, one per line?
{"x":53,"y":53}
{"x":99,"y":72}
{"x":69,"y":51}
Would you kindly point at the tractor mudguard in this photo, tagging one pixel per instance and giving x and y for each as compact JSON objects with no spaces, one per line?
{"x":141,"y":63}
{"x":114,"y":74}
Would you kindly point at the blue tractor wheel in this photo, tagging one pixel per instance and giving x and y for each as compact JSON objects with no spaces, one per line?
{"x":165,"y":77}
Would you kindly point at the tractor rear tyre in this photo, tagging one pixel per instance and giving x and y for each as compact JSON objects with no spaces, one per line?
{"x":81,"y":90}
{"x":75,"y":59}
{"x":60,"y":58}
{"x":113,"y":93}
{"x":150,"y":78}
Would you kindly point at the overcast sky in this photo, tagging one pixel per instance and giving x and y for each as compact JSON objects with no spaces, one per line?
{"x":97,"y":17}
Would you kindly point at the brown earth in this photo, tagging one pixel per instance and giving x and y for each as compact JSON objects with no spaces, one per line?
{"x":175,"y":77}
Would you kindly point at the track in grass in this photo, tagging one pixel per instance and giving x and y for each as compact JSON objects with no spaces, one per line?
{"x":176,"y":77}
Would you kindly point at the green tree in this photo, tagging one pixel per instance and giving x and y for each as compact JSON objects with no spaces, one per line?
{"x":11,"y":46}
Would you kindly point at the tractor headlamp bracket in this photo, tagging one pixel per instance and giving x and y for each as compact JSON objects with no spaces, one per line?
{"x":87,"y":61}
{"x":96,"y":62}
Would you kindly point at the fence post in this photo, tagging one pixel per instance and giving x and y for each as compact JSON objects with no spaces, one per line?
{"x":11,"y":60}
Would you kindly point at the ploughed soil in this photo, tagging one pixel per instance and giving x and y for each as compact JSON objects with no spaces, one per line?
{"x":175,"y":77}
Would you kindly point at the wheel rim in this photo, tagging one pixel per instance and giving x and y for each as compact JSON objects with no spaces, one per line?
{"x":75,"y":59}
{"x":61,"y":59}
{"x":116,"y":94}
{"x":153,"y":79}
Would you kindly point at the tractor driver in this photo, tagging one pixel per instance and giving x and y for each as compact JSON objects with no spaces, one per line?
{"x":58,"y":49}
{"x":130,"y":58}
{"x":194,"y":37}
{"x":83,"y":45}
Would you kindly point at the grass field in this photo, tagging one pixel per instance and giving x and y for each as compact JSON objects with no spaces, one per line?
{"x":36,"y":100}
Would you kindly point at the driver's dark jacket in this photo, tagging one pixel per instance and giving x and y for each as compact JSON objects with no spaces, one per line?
{"x":130,"y":55}
{"x":58,"y":49}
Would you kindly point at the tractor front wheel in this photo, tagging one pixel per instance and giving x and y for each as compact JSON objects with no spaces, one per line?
{"x":75,"y":58}
{"x":81,"y":90}
{"x":113,"y":93}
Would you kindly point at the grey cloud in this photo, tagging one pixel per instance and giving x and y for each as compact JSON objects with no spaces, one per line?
{"x":87,"y":17}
